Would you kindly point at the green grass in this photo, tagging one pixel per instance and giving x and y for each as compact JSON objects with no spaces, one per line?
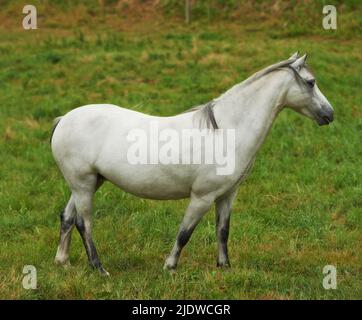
{"x":300,"y":209}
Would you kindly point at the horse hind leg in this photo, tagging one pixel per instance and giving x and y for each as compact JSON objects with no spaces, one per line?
{"x":67,"y":220}
{"x":83,"y":198}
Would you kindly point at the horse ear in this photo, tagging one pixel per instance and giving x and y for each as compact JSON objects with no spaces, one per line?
{"x":300,"y":62}
{"x":295,"y":55}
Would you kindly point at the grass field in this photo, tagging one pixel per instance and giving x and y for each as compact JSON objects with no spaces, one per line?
{"x":300,"y":209}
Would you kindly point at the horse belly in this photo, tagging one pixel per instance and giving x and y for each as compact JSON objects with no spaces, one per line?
{"x":150,"y":182}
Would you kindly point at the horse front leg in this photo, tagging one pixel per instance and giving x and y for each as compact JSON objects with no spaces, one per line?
{"x":223,"y":211}
{"x":195,"y":211}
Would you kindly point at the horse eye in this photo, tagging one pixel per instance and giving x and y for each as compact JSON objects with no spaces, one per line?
{"x":311,"y":83}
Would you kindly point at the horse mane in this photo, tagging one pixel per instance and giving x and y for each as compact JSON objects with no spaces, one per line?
{"x":267,"y":70}
{"x":206,"y":112}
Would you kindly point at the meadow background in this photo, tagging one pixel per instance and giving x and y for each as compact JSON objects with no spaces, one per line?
{"x":300,"y":209}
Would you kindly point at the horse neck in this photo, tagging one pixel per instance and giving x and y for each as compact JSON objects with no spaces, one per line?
{"x":251,"y":110}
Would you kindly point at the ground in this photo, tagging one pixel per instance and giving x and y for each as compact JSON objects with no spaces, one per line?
{"x":299,"y":210}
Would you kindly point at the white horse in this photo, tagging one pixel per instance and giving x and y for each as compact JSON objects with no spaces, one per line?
{"x":90,"y":146}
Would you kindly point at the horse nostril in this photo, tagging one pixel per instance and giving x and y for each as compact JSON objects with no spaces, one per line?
{"x":325,"y":116}
{"x":327,"y":119}
{"x":330,"y":116}
{"x":326,"y":113}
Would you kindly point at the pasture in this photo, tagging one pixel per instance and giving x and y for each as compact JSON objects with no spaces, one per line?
{"x":299,"y":210}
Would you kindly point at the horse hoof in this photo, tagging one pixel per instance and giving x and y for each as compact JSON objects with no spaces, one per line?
{"x":223,"y":265}
{"x":59,"y":262}
{"x":170,"y":268}
{"x":103,"y":272}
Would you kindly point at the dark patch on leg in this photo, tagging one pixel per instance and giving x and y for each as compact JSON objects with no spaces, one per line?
{"x":94,"y":261}
{"x":65,"y":224}
{"x":66,"y":227}
{"x":224,"y":234}
{"x":183,"y":237}
{"x":88,"y":245}
{"x":79,"y":223}
{"x":223,"y":238}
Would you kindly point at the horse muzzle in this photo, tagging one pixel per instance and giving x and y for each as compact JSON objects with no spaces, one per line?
{"x":325,"y":115}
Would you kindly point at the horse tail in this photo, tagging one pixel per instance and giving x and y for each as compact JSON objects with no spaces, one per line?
{"x":55,"y":123}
